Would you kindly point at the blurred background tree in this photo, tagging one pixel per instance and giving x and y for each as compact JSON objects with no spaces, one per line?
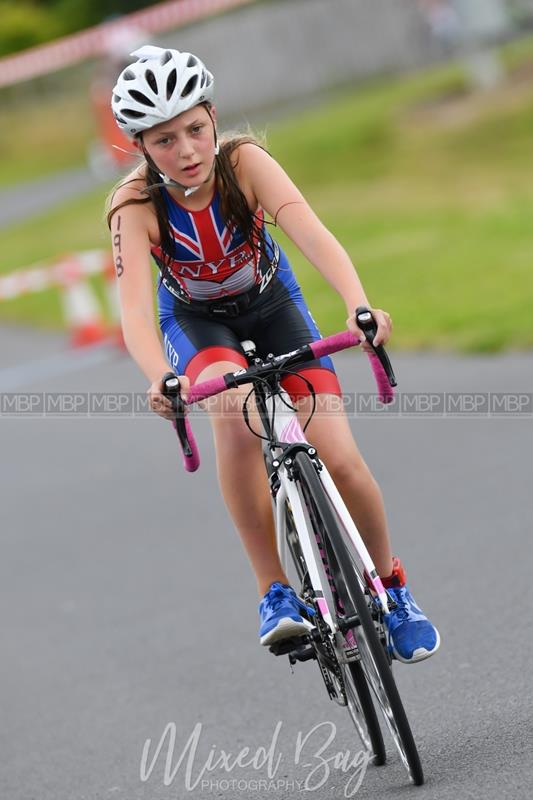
{"x":27,"y":23}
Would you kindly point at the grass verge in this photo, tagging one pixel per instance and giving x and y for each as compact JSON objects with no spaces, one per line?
{"x":425,"y":184}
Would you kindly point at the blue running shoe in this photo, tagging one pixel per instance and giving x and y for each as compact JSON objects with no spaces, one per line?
{"x":279,"y":613}
{"x":410,"y":634}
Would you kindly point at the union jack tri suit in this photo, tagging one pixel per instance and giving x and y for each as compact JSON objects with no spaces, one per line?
{"x":211,"y":260}
{"x":217,"y":291}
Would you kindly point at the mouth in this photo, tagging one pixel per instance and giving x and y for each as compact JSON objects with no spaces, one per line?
{"x":192,"y":169}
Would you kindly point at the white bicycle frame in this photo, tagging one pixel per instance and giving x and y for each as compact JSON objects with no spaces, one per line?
{"x":287,"y":429}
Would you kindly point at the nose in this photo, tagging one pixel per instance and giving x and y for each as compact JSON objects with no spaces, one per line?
{"x":185,"y":148}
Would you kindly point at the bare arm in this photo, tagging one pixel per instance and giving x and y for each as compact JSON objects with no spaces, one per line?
{"x":278,"y":195}
{"x":131,"y":249}
{"x":324,"y":251}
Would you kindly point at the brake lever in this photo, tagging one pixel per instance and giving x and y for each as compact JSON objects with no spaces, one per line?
{"x":366,"y":322}
{"x":171,"y":389}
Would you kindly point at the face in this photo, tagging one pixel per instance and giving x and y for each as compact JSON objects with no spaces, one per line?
{"x":184,"y":147}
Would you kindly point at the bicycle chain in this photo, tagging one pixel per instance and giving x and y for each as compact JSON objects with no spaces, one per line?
{"x":326,"y":672}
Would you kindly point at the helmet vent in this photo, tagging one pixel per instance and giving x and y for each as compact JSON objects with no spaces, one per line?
{"x":131,"y":114}
{"x":150,"y":80}
{"x":189,"y":86}
{"x":141,"y":98}
{"x":171,"y":83}
{"x":162,"y":83}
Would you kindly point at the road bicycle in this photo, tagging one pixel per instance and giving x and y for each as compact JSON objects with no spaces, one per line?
{"x":336,"y":575}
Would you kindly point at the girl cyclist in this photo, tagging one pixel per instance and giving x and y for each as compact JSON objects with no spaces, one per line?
{"x":196,"y":204}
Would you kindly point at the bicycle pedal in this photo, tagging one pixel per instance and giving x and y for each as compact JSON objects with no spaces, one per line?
{"x":295,"y":646}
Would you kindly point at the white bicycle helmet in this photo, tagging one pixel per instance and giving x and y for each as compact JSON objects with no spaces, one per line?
{"x":161,"y":84}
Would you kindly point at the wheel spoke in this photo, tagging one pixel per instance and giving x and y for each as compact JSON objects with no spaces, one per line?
{"x":355,"y":690}
{"x":355,"y":603}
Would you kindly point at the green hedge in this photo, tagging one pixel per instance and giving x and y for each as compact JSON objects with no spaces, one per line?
{"x":25,"y":23}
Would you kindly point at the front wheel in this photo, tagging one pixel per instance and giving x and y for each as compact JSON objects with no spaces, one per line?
{"x":356,"y":690}
{"x":362,"y":711}
{"x":374,"y":661}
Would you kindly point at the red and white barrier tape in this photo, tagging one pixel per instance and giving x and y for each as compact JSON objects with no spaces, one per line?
{"x":95,"y":41}
{"x":68,"y":270}
{"x":85,"y":317}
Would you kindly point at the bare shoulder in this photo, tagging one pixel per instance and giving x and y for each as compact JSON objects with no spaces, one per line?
{"x":263,"y":180}
{"x":247,"y":154}
{"x":130,"y":188}
{"x":129,"y":202}
{"x":254,"y":163}
{"x":247,"y":159}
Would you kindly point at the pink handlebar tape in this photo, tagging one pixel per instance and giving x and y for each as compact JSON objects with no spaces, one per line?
{"x":386,"y":392}
{"x":324,"y":347}
{"x":341,"y":341}
{"x":332,"y":344}
{"x":196,"y":393}
{"x":192,"y":462}
{"x":205,"y":389}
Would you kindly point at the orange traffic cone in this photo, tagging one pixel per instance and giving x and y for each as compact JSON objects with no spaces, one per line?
{"x":83,"y":315}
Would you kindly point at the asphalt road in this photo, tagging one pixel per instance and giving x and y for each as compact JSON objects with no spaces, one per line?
{"x":38,"y":195}
{"x":127,"y":604}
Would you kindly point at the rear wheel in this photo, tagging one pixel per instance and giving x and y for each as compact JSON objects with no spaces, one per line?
{"x":374,"y":663}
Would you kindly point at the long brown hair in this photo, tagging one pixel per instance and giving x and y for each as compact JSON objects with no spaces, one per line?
{"x":233,"y":203}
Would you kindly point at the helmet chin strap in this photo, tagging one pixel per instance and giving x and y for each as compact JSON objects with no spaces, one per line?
{"x":188,"y":190}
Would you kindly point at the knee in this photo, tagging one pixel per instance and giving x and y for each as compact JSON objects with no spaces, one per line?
{"x":350,"y":471}
{"x":232,"y":435}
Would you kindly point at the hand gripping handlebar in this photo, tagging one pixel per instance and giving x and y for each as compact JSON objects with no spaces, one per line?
{"x":191,"y":455}
{"x":379,"y":362}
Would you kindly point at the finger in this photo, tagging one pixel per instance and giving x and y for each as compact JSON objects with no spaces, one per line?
{"x":161,"y":398}
{"x":382,"y":334}
{"x":378,"y":338}
{"x":160,"y":403}
{"x":165,"y":413}
{"x":353,"y":328}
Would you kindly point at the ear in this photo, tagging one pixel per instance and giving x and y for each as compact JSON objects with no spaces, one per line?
{"x":211,"y":110}
{"x":136,"y":143}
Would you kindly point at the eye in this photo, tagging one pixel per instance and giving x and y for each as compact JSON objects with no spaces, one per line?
{"x":164,"y":140}
{"x":196,"y":129}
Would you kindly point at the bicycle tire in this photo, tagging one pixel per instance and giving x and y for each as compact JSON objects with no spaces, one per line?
{"x":357,"y":689}
{"x":373,"y":658}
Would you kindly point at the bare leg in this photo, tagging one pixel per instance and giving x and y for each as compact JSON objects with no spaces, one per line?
{"x":245,"y":489}
{"x":243,"y":482}
{"x":331,"y":435}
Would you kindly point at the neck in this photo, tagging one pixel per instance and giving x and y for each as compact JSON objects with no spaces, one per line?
{"x":199,"y":198}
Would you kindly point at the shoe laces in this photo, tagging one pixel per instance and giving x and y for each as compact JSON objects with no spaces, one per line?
{"x":399,"y":595}
{"x":279,"y":594}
